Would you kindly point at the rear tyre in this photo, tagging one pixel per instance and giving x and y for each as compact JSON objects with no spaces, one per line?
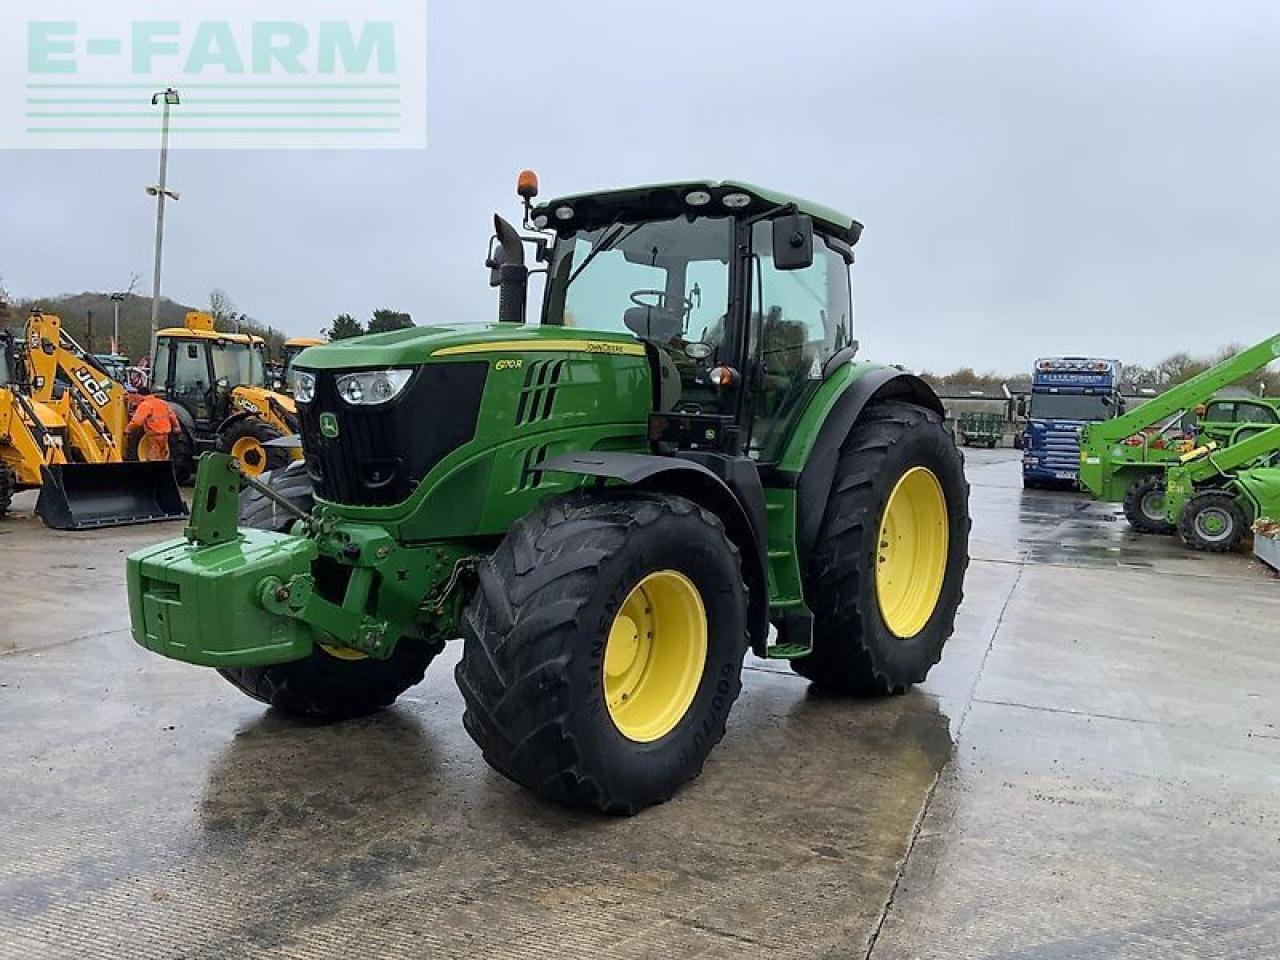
{"x":8,"y":486}
{"x":887,"y":573}
{"x":333,"y":683}
{"x":247,"y":440}
{"x":142,"y":446}
{"x":603,"y":649}
{"x":1213,"y":521}
{"x":1144,"y":506}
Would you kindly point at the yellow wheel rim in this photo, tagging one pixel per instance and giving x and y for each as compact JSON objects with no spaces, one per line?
{"x":152,"y":448}
{"x":655,"y":655}
{"x":251,"y":454}
{"x":911,"y":561}
{"x":343,"y":653}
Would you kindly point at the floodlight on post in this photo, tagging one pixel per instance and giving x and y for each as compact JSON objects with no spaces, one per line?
{"x":169,"y":97}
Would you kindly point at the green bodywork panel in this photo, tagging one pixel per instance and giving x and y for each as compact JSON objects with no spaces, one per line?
{"x":795,"y":453}
{"x":380,"y":569}
{"x":785,"y":579}
{"x":1260,"y":487}
{"x":1108,"y":466}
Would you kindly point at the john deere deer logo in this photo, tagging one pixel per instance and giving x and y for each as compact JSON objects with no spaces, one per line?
{"x":329,"y":425}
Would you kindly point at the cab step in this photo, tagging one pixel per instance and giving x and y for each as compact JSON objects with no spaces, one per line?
{"x":795,"y":635}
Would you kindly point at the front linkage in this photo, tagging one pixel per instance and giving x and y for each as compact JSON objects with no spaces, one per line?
{"x":371,"y":597}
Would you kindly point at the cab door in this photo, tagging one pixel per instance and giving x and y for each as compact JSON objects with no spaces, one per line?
{"x":798,"y":320}
{"x":190,"y":378}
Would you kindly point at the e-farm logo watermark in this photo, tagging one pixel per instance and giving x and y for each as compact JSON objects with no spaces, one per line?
{"x":240,"y":74}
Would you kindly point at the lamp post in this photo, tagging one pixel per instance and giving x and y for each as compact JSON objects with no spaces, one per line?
{"x":116,"y":300}
{"x":169,"y":98}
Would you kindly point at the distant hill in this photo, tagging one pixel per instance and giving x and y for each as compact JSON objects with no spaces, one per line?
{"x":135,"y":321}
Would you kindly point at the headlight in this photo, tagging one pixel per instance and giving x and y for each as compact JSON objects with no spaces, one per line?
{"x":304,"y":385}
{"x":373,"y":387}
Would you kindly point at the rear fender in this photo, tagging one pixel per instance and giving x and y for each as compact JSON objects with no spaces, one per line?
{"x":814,"y":454}
{"x":232,"y":420}
{"x":727,"y":486}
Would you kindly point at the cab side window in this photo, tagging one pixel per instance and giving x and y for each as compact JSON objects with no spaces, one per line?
{"x":799,"y":320}
{"x":191,"y":379}
{"x":1220,"y":413}
{"x":1255,"y":413}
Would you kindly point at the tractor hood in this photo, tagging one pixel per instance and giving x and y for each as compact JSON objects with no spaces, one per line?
{"x":420,"y":345}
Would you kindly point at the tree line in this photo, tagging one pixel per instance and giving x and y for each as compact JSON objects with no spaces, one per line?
{"x":346,"y":326}
{"x":1169,"y":372}
{"x":89,"y":318}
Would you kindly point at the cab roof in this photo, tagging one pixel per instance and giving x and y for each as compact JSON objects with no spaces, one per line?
{"x":186,"y":333}
{"x":660,"y":200}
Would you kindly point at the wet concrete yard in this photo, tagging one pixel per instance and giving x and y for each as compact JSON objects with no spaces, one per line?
{"x":1093,"y":771}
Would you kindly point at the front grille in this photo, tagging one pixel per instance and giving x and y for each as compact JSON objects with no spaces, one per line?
{"x":381,"y":453}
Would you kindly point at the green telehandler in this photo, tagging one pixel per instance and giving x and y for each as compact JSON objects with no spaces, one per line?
{"x":681,"y":461}
{"x":1213,"y":495}
{"x":1123,"y":460}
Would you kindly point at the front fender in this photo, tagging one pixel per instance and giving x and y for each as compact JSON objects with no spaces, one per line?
{"x":736,"y":498}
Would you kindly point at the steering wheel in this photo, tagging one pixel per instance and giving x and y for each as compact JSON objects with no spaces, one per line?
{"x":660,"y":296}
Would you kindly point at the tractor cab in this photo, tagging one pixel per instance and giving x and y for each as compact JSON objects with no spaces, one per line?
{"x":199,"y":368}
{"x":293,"y":347}
{"x":741,"y":296}
{"x":217,"y":385}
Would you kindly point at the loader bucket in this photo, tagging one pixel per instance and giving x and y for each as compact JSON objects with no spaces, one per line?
{"x":84,"y":496}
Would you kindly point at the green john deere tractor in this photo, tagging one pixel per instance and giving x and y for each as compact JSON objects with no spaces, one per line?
{"x":610,"y":506}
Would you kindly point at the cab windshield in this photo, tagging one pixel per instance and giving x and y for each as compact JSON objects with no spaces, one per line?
{"x":1071,"y":406}
{"x":238,"y":364}
{"x":666,"y":281}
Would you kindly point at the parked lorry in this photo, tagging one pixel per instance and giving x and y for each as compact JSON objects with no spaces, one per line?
{"x":610,"y":506}
{"x":1066,"y":394}
{"x":1123,"y":460}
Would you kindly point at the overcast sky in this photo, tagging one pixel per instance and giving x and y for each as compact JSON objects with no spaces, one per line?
{"x":1035,"y":178}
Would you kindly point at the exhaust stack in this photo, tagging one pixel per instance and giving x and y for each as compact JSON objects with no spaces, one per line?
{"x":511,"y":274}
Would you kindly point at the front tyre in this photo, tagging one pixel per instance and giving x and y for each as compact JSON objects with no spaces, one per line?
{"x":333,"y":683}
{"x":603,"y":649}
{"x":8,"y":486}
{"x":1213,"y":521}
{"x":1144,"y":505}
{"x":887,"y":573}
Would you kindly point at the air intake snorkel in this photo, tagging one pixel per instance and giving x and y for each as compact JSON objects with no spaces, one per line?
{"x":507,"y":272}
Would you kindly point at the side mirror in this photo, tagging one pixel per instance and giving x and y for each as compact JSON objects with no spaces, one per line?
{"x":1022,"y":406}
{"x":793,"y":242}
